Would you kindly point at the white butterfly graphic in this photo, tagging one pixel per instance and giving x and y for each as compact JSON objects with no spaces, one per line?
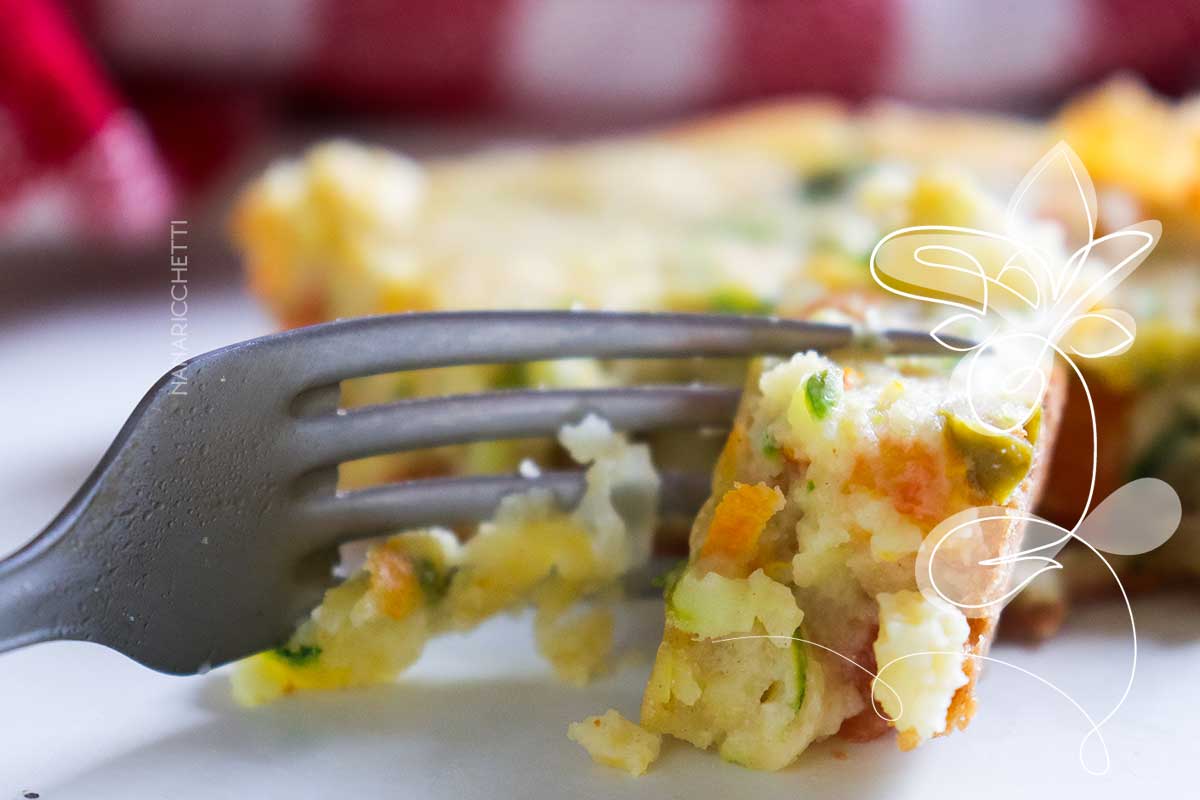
{"x":1026,"y":294}
{"x":1022,"y":291}
{"x":1020,"y":297}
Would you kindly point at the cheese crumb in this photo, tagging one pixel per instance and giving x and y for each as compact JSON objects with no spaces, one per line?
{"x":614,"y":741}
{"x":910,"y":625}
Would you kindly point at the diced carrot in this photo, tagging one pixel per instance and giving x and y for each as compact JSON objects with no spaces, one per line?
{"x":394,"y":583}
{"x":739,"y":519}
{"x":913,"y":477}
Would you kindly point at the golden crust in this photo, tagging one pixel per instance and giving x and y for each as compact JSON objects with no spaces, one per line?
{"x":983,"y":629}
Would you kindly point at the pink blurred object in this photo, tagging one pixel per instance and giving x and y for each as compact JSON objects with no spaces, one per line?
{"x":76,"y":162}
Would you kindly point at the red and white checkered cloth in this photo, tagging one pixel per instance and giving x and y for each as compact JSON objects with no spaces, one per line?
{"x":75,"y":161}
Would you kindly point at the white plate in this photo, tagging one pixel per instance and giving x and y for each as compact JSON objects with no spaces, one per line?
{"x":480,"y":716}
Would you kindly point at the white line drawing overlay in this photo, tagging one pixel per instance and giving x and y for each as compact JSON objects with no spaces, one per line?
{"x":1024,"y":303}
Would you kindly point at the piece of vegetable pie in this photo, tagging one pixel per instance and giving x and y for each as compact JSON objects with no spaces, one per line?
{"x":801,"y":580}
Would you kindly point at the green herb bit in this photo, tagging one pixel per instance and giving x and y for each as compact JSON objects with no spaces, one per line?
{"x":800,"y":660}
{"x":824,"y":185}
{"x":299,"y":656}
{"x":736,"y":300}
{"x":821,"y":393}
{"x":512,"y":376}
{"x":434,"y":583}
{"x":998,"y":461}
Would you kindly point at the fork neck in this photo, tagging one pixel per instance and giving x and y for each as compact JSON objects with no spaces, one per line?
{"x":40,"y":595}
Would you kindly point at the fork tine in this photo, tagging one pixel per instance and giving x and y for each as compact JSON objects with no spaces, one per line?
{"x":335,"y":351}
{"x":437,"y":421}
{"x":446,"y":501}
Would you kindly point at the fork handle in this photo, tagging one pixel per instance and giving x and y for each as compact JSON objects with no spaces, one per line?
{"x":22,"y":608}
{"x":39,"y":596}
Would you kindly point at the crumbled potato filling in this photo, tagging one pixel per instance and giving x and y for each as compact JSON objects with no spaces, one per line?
{"x":616,"y":742}
{"x":920,"y":653}
{"x":418,"y":584}
{"x":613,"y":740}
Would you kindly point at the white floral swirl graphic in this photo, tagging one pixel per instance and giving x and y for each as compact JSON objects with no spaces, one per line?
{"x":1025,"y":303}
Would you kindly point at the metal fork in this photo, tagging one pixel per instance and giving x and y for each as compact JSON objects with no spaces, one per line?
{"x":210,"y":526}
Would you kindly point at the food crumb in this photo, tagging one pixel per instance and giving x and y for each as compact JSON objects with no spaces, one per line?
{"x":840,"y":755}
{"x":614,"y":741}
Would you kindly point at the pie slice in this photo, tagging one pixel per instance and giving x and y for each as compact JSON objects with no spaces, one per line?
{"x":801,"y":579}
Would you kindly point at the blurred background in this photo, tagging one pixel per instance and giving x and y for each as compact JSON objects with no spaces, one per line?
{"x":119,"y":115}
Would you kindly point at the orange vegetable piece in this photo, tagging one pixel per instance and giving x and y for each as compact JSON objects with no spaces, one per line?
{"x":739,"y":519}
{"x":916,"y":480}
{"x":394,"y":583}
